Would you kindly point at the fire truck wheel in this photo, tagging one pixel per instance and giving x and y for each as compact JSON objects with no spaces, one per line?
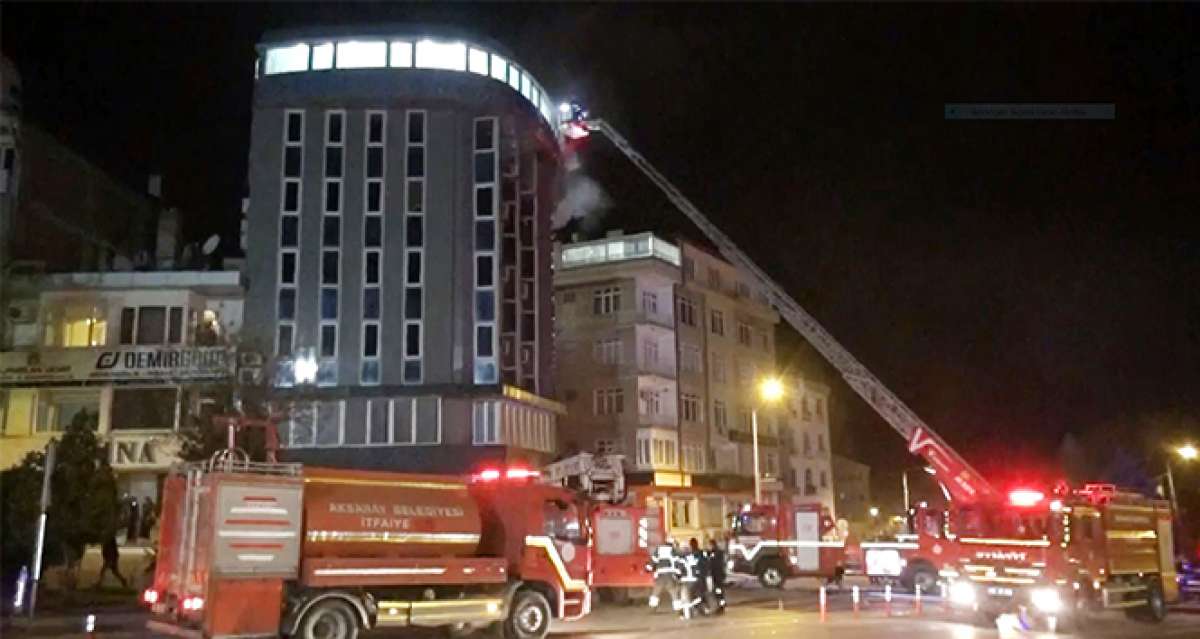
{"x":329,"y":619}
{"x":926,"y":577}
{"x":1155,"y":609}
{"x":529,"y":617}
{"x":772,"y":574}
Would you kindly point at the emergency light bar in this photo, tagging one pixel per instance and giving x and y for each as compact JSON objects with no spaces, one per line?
{"x":494,"y":474}
{"x":1025,"y":497}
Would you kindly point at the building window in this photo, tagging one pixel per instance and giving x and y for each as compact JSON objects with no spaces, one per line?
{"x":691,"y":408}
{"x":649,"y":353}
{"x":316,"y":424}
{"x":720,"y":373}
{"x":607,"y":447}
{"x":656,"y":450}
{"x":720,"y":416}
{"x":649,"y":302}
{"x":743,"y":290}
{"x":372,"y":276}
{"x":416,"y":136}
{"x":58,"y":409}
{"x":805,"y":409}
{"x":763,"y":342}
{"x":143,"y":408}
{"x":76,"y":326}
{"x":745,"y":420}
{"x":417,"y":421}
{"x":151,"y":325}
{"x":690,"y":360}
{"x":485,"y":425}
{"x":807,"y":444}
{"x":289,"y":221}
{"x":824,"y":479}
{"x":649,"y":402}
{"x":809,"y":488}
{"x":607,"y":351}
{"x":687,"y":312}
{"x":743,"y":334}
{"x":771,"y":464}
{"x":819,"y":407}
{"x":485,"y":145}
{"x":693,"y":458}
{"x":820,"y":442}
{"x":379,"y":422}
{"x":608,"y":401}
{"x":716,"y":323}
{"x":714,"y":278}
{"x":745,"y":371}
{"x":606,"y":301}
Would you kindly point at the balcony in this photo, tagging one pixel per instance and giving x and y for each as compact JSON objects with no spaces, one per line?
{"x":657,"y":319}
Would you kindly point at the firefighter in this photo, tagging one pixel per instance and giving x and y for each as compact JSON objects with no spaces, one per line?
{"x":666,"y":575}
{"x":692,"y":576}
{"x":716,"y":573}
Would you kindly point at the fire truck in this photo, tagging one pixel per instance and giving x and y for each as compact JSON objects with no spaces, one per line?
{"x":970,"y":495}
{"x":267,"y":549}
{"x":775,"y":542}
{"x":624,"y":532}
{"x":1056,"y":559}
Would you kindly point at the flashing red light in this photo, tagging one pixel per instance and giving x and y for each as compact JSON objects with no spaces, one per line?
{"x":575,"y":130}
{"x":521,"y":473}
{"x":1024,"y":497}
{"x":150,"y":596}
{"x":488,"y":474}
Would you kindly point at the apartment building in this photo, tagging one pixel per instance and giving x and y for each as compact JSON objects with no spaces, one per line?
{"x":659,"y":349}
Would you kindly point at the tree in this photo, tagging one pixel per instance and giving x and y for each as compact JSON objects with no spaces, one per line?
{"x":83,"y":506}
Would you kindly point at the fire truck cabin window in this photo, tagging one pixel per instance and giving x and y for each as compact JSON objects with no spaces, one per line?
{"x":748,"y":524}
{"x":562,"y":521}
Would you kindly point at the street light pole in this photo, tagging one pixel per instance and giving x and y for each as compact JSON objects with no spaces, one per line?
{"x":754,"y":439}
{"x":1171,"y":486}
{"x":904,"y":484}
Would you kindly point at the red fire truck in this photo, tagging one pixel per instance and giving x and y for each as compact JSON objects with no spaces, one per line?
{"x":249,"y":549}
{"x":624,"y":533}
{"x":1058,"y":558}
{"x":777,"y":542}
{"x":970,"y":494}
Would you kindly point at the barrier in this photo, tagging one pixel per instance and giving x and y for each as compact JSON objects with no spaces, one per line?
{"x":887,"y":599}
{"x":823,"y":599}
{"x":854,"y":597}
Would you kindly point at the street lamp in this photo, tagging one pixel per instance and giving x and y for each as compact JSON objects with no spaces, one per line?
{"x":873,"y":511}
{"x":770,"y":390}
{"x":1186,"y":452}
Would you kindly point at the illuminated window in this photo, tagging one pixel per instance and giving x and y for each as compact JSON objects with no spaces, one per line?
{"x":514,"y":78}
{"x":451,"y":56}
{"x":322,"y":56}
{"x":478,"y":61}
{"x":361,"y":55}
{"x":76,"y":327}
{"x":499,"y":68}
{"x":485,"y":423}
{"x":402,"y":54}
{"x":287,"y":59}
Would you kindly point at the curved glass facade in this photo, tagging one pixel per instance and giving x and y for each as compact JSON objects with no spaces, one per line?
{"x":407,"y":53}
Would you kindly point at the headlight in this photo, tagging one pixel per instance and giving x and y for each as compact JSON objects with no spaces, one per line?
{"x":729,"y":565}
{"x":1046,"y":600}
{"x":962,"y":593}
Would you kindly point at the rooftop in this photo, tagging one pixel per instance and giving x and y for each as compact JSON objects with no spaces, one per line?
{"x":617,"y":249}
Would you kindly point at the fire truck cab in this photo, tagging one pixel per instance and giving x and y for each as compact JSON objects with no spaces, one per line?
{"x":1057,"y":559}
{"x":776,"y":542}
{"x":913,"y":558}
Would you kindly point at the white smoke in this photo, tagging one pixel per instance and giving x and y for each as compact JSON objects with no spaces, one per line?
{"x":582,"y":195}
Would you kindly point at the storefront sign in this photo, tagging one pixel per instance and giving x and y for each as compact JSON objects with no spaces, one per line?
{"x":142,"y":452}
{"x":135,"y":363}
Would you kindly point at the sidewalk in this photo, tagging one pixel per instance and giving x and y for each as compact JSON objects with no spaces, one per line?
{"x":109,"y":619}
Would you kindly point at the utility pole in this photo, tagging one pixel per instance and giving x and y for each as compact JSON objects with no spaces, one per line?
{"x":41,"y":531}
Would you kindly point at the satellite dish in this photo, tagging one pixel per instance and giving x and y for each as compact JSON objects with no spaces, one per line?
{"x":210,"y":244}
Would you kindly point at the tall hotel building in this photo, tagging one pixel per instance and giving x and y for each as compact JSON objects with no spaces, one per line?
{"x":401,"y":186}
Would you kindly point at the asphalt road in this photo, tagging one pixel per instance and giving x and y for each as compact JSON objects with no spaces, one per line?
{"x":753,"y":612}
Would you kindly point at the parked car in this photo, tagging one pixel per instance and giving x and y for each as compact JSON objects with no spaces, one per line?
{"x":1189,"y":579}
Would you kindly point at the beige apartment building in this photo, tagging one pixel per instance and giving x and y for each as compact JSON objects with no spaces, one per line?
{"x":658,"y":349}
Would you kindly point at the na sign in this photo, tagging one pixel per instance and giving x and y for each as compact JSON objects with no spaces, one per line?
{"x":133,"y":452}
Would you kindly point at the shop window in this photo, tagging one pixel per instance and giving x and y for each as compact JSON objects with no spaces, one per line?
{"x":56,"y":410}
{"x":143,"y":408}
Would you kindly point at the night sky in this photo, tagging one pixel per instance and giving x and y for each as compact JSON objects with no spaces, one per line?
{"x":1012,"y":281}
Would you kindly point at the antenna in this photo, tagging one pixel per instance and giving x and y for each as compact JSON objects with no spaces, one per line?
{"x":211,"y":244}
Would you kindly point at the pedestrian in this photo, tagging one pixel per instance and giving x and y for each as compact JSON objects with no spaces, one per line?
{"x":148,"y":518}
{"x":692,"y":578}
{"x":112,"y":562}
{"x":666,"y":576}
{"x":716,"y":572}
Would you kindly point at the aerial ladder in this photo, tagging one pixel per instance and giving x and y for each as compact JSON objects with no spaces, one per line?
{"x":964,"y":483}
